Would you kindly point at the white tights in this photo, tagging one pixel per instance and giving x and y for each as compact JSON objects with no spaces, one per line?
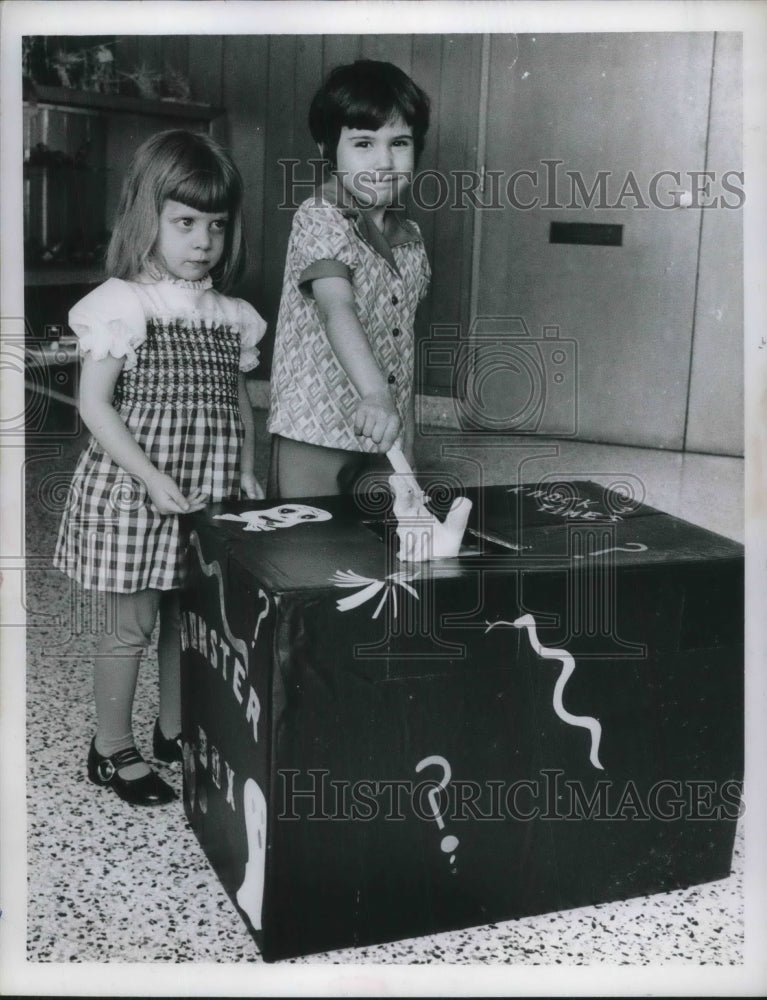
{"x":131,"y":621}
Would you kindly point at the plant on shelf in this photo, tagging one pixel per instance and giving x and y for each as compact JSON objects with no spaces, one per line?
{"x":176,"y":87}
{"x":90,"y":69}
{"x":146,"y":81}
{"x":102,"y":78}
{"x":50,"y":62}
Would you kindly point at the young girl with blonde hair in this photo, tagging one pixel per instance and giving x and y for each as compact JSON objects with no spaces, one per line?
{"x":162,"y":392}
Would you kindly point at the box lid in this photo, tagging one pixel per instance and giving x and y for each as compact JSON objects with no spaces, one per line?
{"x":305,"y":544}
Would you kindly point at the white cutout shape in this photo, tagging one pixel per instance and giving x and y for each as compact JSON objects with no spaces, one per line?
{"x":628,"y":547}
{"x":449,"y":843}
{"x":213,"y":569}
{"x":568,"y":666}
{"x":421,"y":534}
{"x":250,"y":895}
{"x":370,"y":587}
{"x":285,"y":516}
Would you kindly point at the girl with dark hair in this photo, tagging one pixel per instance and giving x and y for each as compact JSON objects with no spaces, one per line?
{"x":342,"y":379}
{"x":162,"y":392}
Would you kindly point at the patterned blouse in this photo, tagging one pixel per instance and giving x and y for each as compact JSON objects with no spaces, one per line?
{"x":312,"y":397}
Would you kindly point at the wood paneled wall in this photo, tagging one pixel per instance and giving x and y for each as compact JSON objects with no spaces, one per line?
{"x":264,"y":85}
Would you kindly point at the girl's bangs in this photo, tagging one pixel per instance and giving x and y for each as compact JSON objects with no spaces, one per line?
{"x":365,"y":116}
{"x":206,"y":191}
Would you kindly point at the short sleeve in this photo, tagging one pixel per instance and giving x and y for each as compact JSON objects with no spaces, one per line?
{"x":252,"y":329}
{"x":322,"y":244}
{"x":425,"y":276}
{"x":109,"y":320}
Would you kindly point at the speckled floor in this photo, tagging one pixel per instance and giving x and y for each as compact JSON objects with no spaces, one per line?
{"x":109,"y":883}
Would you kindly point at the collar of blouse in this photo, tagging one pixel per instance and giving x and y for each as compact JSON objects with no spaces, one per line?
{"x":154,"y":272}
{"x":398,"y":228}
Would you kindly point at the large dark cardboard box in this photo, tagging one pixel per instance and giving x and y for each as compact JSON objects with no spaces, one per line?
{"x":376,"y":750}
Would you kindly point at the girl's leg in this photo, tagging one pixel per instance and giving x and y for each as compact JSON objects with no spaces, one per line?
{"x":116,"y":668}
{"x":304,"y":470}
{"x":169,"y":658}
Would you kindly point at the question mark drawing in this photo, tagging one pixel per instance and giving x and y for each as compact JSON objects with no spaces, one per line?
{"x":261,"y":615}
{"x":449,"y":843}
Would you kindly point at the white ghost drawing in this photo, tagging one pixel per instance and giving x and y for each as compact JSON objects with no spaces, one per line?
{"x":250,"y":895}
{"x":285,"y":516}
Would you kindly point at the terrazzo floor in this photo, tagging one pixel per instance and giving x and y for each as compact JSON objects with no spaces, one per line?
{"x":109,"y":883}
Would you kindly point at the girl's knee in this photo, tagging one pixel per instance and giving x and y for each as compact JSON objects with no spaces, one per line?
{"x":133,"y":620}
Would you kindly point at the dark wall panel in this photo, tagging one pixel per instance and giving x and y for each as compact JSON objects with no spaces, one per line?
{"x":244,"y":95}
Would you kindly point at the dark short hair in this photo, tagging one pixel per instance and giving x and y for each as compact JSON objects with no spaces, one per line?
{"x":188,"y":167}
{"x":366,"y":94}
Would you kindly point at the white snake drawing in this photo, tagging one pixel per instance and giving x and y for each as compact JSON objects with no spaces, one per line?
{"x":568,"y":666}
{"x":213,"y":569}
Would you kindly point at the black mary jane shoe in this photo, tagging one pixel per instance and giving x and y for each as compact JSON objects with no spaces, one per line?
{"x":164,"y":749}
{"x":150,"y":790}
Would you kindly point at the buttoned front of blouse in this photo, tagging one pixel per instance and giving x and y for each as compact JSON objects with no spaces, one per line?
{"x":312,"y":397}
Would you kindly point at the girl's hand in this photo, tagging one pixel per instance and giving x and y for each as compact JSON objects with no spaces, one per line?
{"x":376,"y":418}
{"x":250,"y":486}
{"x":196,"y":500}
{"x":168,"y":498}
{"x":97,"y":382}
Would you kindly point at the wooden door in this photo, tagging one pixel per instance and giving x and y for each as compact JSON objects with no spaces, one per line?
{"x":603,"y":330}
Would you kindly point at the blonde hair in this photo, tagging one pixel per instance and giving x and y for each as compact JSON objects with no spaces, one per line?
{"x":184,"y":166}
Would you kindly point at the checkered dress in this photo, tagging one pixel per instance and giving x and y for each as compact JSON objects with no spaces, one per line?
{"x":177,"y":393}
